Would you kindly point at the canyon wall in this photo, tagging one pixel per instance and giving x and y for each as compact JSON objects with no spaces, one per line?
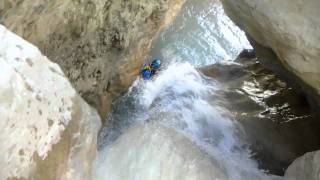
{"x":47,"y":130}
{"x":99,"y":44}
{"x":287,"y":31}
{"x":290,"y":28}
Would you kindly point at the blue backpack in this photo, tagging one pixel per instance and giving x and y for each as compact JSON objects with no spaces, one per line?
{"x":146,"y":72}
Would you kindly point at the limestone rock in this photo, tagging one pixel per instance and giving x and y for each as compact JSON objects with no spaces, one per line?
{"x":305,"y":167}
{"x":47,"y":130}
{"x":99,"y":44}
{"x":289,"y":27}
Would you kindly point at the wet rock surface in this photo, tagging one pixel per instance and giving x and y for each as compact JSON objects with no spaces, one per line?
{"x":47,"y":130}
{"x":100,"y":45}
{"x":289,"y":28}
{"x":278,"y":120}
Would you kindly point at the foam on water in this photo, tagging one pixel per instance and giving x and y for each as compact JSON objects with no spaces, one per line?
{"x":184,"y":101}
{"x":201,"y":34}
{"x":179,"y":98}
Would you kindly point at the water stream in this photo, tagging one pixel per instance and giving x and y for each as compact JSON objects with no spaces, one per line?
{"x":201,"y":34}
{"x":170,"y":128}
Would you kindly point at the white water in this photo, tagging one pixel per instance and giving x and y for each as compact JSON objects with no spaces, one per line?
{"x":180,"y":101}
{"x":201,"y":34}
{"x":174,"y":127}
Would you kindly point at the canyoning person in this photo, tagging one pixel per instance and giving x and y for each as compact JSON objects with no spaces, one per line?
{"x":149,"y":70}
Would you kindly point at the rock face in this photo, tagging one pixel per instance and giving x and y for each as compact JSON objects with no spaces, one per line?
{"x":289,"y":27}
{"x":305,"y":167}
{"x":99,"y":44}
{"x":153,"y":151}
{"x":47,"y":130}
{"x":277,"y":119}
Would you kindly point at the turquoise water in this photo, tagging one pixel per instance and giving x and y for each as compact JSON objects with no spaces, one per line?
{"x":201,"y":34}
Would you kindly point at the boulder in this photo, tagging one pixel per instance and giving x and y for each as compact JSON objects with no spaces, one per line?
{"x":47,"y":130}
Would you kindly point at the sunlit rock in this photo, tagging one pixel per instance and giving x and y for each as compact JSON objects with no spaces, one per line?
{"x":47,"y":130}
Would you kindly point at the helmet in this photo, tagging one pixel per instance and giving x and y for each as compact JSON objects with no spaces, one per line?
{"x":156,"y":64}
{"x":146,"y":73}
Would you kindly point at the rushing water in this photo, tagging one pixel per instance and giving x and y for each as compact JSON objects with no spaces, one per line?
{"x":201,"y":34}
{"x":169,"y":128}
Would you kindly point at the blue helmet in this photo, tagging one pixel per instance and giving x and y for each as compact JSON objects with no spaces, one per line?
{"x":156,"y":64}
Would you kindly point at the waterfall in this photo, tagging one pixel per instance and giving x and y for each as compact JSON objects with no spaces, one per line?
{"x":175,"y":126}
{"x":179,"y":99}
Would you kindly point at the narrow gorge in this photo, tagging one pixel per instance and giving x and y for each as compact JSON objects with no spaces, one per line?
{"x":236,"y":97}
